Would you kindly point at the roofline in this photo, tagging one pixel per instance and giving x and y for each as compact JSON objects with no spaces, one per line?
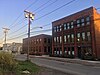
{"x":89,"y":8}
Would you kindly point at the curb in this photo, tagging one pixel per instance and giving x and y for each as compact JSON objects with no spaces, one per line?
{"x":82,"y":62}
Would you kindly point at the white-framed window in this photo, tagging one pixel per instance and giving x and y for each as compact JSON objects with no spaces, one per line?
{"x":57,"y":28}
{"x":88,"y":36}
{"x":58,"y":52}
{"x":88,"y":20}
{"x":60,"y":28}
{"x":68,"y":25}
{"x":65,"y":50}
{"x":78,"y":37}
{"x":73,"y":53}
{"x":83,"y":36}
{"x":72,"y":37}
{"x":54,"y":52}
{"x":65,"y":39}
{"x":82,"y":22}
{"x":55,"y":39}
{"x":69,"y":52}
{"x":54,"y":29}
{"x":72,"y":24}
{"x":68,"y":37}
{"x":78,"y":23}
{"x":65,"y":26}
{"x":60,"y":39}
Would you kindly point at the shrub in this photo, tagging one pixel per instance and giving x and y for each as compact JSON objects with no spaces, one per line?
{"x":7,"y":62}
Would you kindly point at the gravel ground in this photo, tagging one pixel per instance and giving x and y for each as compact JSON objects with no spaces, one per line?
{"x":48,"y":71}
{"x":44,"y":71}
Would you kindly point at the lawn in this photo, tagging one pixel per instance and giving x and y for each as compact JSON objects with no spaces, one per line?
{"x":27,"y":66}
{"x":23,"y":66}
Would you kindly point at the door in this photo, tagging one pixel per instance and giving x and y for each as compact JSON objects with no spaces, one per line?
{"x":79,"y":52}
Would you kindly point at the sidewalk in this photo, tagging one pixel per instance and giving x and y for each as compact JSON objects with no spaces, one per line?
{"x":69,"y":60}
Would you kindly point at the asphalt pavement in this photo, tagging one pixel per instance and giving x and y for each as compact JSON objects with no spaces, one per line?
{"x":73,"y":68}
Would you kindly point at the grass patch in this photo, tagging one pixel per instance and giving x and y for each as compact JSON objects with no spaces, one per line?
{"x":27,"y":65}
{"x":22,"y":66}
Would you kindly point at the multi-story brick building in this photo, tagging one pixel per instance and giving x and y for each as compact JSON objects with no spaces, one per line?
{"x":38,"y":45}
{"x":77,"y":35}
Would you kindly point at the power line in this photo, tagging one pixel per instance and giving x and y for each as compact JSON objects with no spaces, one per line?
{"x":31,"y":29}
{"x":17,"y":37}
{"x":43,"y":31}
{"x":42,"y":5}
{"x":46,"y":6}
{"x":20,"y":22}
{"x":32,"y":4}
{"x":55,"y":9}
{"x":18,"y":29}
{"x":22,"y":12}
{"x":37,"y":8}
{"x":31,"y":32}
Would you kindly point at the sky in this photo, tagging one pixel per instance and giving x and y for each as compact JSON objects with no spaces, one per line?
{"x":12,"y":16}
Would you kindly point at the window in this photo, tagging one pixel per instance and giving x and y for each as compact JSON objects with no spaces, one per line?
{"x":55,"y":39}
{"x":55,"y":51}
{"x":88,"y":36}
{"x":69,"y":51}
{"x":60,"y":51}
{"x":60,"y":39}
{"x":73,"y":53}
{"x":48,"y":40}
{"x":57,"y":28}
{"x":65,"y":39}
{"x":40,"y":40}
{"x":68,"y":26}
{"x":40,"y":49}
{"x":45,"y":40}
{"x":60,"y":28}
{"x":83,"y":36}
{"x":78,"y":37}
{"x":72,"y":24}
{"x":54,"y":29}
{"x":82,"y":21}
{"x":65,"y":26}
{"x":68,"y":37}
{"x":45,"y":49}
{"x":37,"y":41}
{"x":65,"y":50}
{"x":78,"y":23}
{"x":72,"y":37}
{"x":34,"y":41}
{"x":88,"y":20}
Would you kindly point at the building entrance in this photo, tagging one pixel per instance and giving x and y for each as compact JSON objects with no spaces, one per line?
{"x":79,"y":52}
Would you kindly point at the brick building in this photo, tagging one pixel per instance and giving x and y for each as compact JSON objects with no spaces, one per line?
{"x":38,"y":45}
{"x":77,"y":35}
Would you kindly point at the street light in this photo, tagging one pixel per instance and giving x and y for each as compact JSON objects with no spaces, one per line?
{"x":30,"y":17}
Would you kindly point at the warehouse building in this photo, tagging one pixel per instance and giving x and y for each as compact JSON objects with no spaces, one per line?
{"x":77,"y":35}
{"x":38,"y":45}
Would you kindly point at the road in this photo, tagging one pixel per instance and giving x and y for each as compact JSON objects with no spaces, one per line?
{"x":76,"y":69}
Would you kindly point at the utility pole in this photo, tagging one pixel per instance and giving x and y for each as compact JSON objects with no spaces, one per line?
{"x":5,"y":32}
{"x":30,"y":17}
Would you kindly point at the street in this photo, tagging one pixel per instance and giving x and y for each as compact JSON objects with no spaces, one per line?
{"x":76,"y":69}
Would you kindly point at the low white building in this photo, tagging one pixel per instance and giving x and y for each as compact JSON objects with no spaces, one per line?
{"x":7,"y":47}
{"x":13,"y":47}
{"x":16,"y":47}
